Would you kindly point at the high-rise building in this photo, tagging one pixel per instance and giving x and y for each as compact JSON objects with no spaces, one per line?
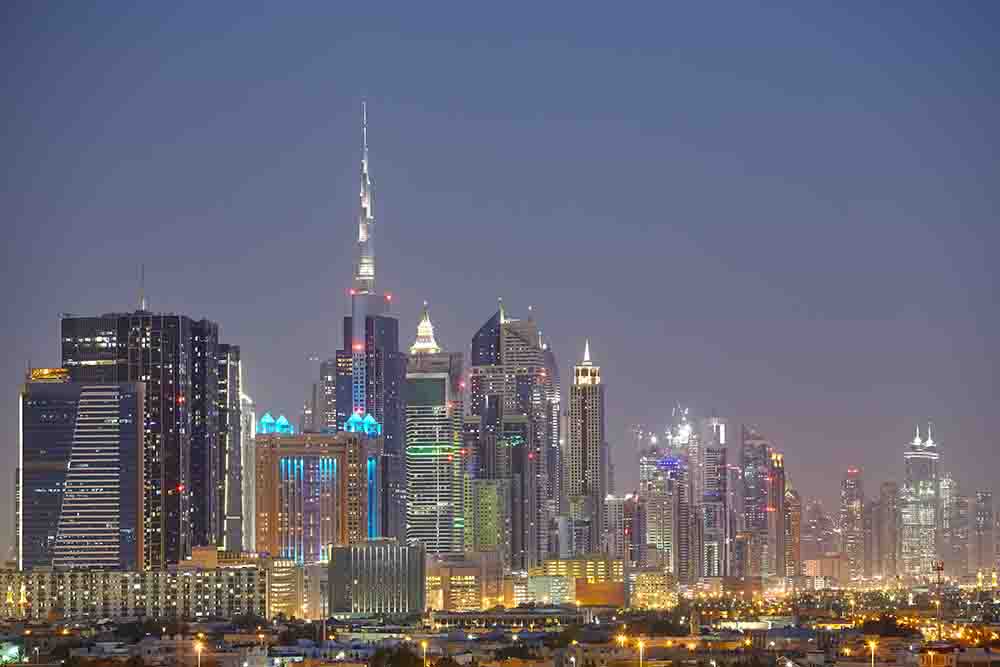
{"x":774,"y":552}
{"x":435,"y":474}
{"x":248,"y":464}
{"x":229,"y":410}
{"x":81,"y":473}
{"x":717,"y":525}
{"x":371,"y":369}
{"x":625,"y":523}
{"x":886,"y":527}
{"x":587,"y":452}
{"x":554,"y":417}
{"x":377,"y":578}
{"x":983,"y":557}
{"x":793,"y":532}
{"x":326,"y":418}
{"x":852,"y":507}
{"x":755,"y":453}
{"x":178,"y":360}
{"x":314,"y":490}
{"x":920,"y":507}
{"x":954,"y":526}
{"x":507,"y":429}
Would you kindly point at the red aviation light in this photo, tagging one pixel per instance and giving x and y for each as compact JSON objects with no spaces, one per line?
{"x":180,"y":488}
{"x":358,"y":347}
{"x":351,"y":292}
{"x":388,"y":297}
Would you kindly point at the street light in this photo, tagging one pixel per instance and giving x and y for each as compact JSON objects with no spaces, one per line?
{"x":642,"y":645}
{"x":872,"y":645}
{"x":197,"y":647}
{"x":423,"y":645}
{"x":36,"y":655}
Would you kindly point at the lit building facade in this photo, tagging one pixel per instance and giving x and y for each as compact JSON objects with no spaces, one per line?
{"x":507,"y":431}
{"x":230,"y":450}
{"x":190,"y":594}
{"x":716,"y":534}
{"x":983,"y":556}
{"x":793,"y":532}
{"x":80,"y":473}
{"x":435,"y":474}
{"x":377,"y":577}
{"x":920,"y":507}
{"x":314,"y":490}
{"x":852,"y":506}
{"x":587,"y":449}
{"x":248,"y":466}
{"x":178,"y":359}
{"x":371,"y":369}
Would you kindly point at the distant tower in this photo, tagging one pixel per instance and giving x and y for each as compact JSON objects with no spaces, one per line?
{"x":852,"y":506}
{"x":983,"y":557}
{"x":920,"y":507}
{"x":371,"y":370}
{"x":586,"y":460}
{"x":793,"y":532}
{"x":435,"y":479}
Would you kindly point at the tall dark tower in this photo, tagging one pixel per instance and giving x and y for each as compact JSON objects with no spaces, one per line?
{"x":184,"y":452}
{"x":371,"y":370}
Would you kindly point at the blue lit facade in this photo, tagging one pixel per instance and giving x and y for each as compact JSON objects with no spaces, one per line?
{"x":269,"y":425}
{"x":308,"y":500}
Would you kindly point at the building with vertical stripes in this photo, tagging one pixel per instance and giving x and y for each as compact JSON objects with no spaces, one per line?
{"x":435,"y":475}
{"x":314,"y":491}
{"x":81,"y":473}
{"x":377,"y":578}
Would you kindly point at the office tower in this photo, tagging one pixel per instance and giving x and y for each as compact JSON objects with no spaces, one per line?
{"x":178,"y":359}
{"x":774,"y":553}
{"x":947,"y":497}
{"x":818,"y":536}
{"x":507,"y":428}
{"x":793,"y":532}
{"x":983,"y":557}
{"x":852,"y":506}
{"x":371,"y":369}
{"x":309,"y":418}
{"x":684,"y":440}
{"x":919,"y":507}
{"x":489,"y":515}
{"x":624,"y":527}
{"x":326,"y":406}
{"x":554,"y":417}
{"x":959,"y":546}
{"x":756,"y":463}
{"x":229,"y":410}
{"x":80,"y":465}
{"x":716,"y":526}
{"x":586,"y":459}
{"x":435,"y":474}
{"x":248,"y":464}
{"x":887,"y":525}
{"x":314,"y":490}
{"x":377,"y":577}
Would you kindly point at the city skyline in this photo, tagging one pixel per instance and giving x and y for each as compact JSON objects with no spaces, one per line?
{"x":898,"y":351}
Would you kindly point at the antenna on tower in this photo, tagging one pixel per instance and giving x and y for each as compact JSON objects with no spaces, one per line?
{"x":142,"y":287}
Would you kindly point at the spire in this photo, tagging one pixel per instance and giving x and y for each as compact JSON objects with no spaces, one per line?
{"x":503,"y":316}
{"x":364,"y":273}
{"x":586,"y":353}
{"x":142,"y":287}
{"x":930,"y":440}
{"x":425,"y":343}
{"x":916,"y":436}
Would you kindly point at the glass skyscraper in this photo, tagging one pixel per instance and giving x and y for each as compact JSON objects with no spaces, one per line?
{"x":81,"y":473}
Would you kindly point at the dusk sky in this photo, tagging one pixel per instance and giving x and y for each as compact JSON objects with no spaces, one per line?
{"x":787,"y":215}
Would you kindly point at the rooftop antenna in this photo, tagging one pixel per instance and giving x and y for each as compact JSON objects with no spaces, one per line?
{"x":142,"y":287}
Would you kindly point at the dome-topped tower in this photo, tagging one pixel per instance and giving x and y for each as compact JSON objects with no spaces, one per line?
{"x":425,"y":343}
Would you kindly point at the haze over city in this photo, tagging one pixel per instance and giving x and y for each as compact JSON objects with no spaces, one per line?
{"x":781,"y":216}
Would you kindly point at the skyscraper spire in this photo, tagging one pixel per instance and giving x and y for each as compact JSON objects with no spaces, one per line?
{"x":364,"y":274}
{"x":586,"y":353}
{"x":503,"y":317}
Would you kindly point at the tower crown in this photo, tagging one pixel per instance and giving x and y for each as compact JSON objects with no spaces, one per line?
{"x":586,"y":373}
{"x":425,"y":343}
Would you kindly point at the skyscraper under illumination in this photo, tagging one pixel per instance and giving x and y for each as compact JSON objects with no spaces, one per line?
{"x":919,"y":507}
{"x":434,"y":454}
{"x":371,"y":369}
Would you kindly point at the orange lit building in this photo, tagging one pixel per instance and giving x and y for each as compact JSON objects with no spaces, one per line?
{"x":313,"y":491}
